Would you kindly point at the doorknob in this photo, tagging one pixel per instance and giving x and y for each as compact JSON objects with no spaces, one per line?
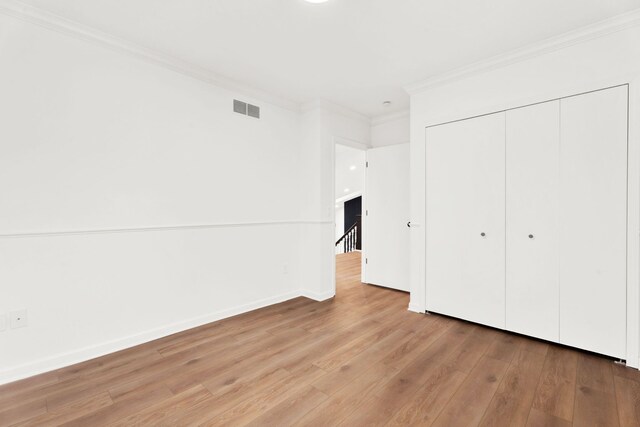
{"x":531,"y":236}
{"x":409,"y":224}
{"x":483,"y":234}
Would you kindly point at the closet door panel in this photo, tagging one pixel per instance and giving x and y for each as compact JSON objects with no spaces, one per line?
{"x":465,"y":223}
{"x":532,"y":153}
{"x":593,"y":209}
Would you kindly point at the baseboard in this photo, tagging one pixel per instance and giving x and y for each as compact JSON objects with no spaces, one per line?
{"x":415,"y":308}
{"x":81,"y":355}
{"x":317,"y":296}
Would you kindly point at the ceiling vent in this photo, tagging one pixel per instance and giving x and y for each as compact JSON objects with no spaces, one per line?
{"x":246,"y":109}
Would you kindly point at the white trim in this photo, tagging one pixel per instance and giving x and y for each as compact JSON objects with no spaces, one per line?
{"x":541,"y":96}
{"x":350,"y":143}
{"x":633,"y":226}
{"x":318,"y":296}
{"x":80,"y":355}
{"x":363,"y":147}
{"x":51,"y":21}
{"x":323,"y":104}
{"x":415,"y":308}
{"x":349,"y":197}
{"x":599,"y":29}
{"x":159,"y":228}
{"x":386,"y":118}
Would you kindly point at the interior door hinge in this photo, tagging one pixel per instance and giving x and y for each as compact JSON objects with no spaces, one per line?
{"x":367,"y":164}
{"x":366,"y":260}
{"x":367,"y":212}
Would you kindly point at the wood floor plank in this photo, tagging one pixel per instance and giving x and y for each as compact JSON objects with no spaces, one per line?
{"x":542,"y":419}
{"x":595,"y":403}
{"x":345,"y":401}
{"x":475,"y":346}
{"x":421,"y":341}
{"x":626,"y":372}
{"x":424,"y":406}
{"x":256,"y":405}
{"x":288,"y":412}
{"x":628,"y":401}
{"x":338,"y":378}
{"x":156,"y":414}
{"x":512,"y":402}
{"x":136,"y":401}
{"x":334,"y":359}
{"x":359,"y":359}
{"x":595,"y":372}
{"x":367,"y":414}
{"x":27,"y":385}
{"x":555,"y":394}
{"x":71,"y":412}
{"x":230,"y":360}
{"x":426,"y":366}
{"x":505,"y":347}
{"x":225,"y":398}
{"x":469,"y":403}
{"x":22,"y":412}
{"x":595,"y":408}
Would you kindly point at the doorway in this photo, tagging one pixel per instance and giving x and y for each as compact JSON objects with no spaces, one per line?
{"x":349,"y":192}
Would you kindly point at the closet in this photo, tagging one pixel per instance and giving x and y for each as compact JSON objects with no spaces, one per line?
{"x":526,"y":220}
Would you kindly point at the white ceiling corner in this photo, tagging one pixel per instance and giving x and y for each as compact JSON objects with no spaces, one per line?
{"x":570,"y":38}
{"x":350,"y":53}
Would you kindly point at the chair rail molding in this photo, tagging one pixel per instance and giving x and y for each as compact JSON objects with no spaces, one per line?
{"x":159,"y":228}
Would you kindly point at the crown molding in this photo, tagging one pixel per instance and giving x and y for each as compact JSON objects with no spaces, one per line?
{"x":571,"y":38}
{"x":51,"y":21}
{"x":385,"y":118}
{"x":323,"y":104}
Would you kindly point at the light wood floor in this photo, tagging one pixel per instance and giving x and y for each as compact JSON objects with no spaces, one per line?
{"x":360,"y":359}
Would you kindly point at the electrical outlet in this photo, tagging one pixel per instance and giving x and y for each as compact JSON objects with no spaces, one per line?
{"x":18,"y":319}
{"x":3,"y":322}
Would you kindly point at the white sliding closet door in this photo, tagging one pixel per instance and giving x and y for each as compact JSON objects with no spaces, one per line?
{"x":386,"y":239}
{"x":593,"y":209}
{"x":465,"y":214}
{"x":533,"y":144}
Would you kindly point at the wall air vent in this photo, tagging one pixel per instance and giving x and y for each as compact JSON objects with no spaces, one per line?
{"x":253,"y":111}
{"x":239,"y":107}
{"x":246,"y":109}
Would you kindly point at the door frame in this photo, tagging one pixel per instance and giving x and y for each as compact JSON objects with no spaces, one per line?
{"x":418,"y":301}
{"x":358,"y":146}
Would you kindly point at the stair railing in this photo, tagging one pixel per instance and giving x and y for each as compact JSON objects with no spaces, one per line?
{"x":351,"y":238}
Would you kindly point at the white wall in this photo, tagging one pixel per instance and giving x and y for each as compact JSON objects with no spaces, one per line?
{"x":339,"y":224}
{"x":607,"y":58}
{"x":349,"y":183}
{"x":322,"y":127}
{"x":94,"y":140}
{"x":133,"y":199}
{"x":391,"y":129}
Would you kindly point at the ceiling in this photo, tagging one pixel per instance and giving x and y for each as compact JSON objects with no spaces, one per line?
{"x":356,"y":53}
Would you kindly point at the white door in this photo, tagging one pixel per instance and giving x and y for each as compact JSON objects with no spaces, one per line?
{"x":593,"y":210}
{"x":386,"y":235}
{"x":533,"y":144}
{"x":465,"y":219}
